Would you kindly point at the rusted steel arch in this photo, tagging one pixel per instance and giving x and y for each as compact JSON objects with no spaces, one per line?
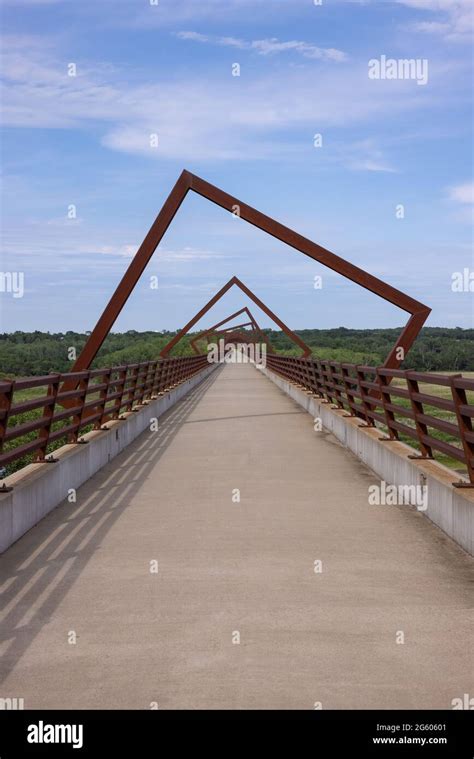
{"x":306,"y":350}
{"x":252,"y":321}
{"x":186,"y":182}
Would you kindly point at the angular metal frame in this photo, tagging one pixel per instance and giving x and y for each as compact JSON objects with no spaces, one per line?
{"x":306,"y":350}
{"x":187,"y":181}
{"x":252,"y":321}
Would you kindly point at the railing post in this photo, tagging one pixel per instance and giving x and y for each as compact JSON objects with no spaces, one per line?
{"x":465,"y":429}
{"x":303,"y":367}
{"x":307,"y":374}
{"x":365,"y":406}
{"x":170,"y":375}
{"x":329,"y":381}
{"x":103,"y":400}
{"x":313,"y":382}
{"x":141,"y":381}
{"x":164,"y":375}
{"x":318,"y":377}
{"x":123,"y":381}
{"x":335,"y":382}
{"x":6,"y":398}
{"x":77,"y":418}
{"x":325,"y":381}
{"x":149,"y":380}
{"x":417,"y":408}
{"x":131,"y":389}
{"x":346,"y":377}
{"x":155,"y":389}
{"x":48,"y":414}
{"x":386,"y":398}
{"x":298,"y":372}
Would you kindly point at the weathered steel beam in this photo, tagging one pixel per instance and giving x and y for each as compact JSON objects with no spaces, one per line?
{"x":187,"y":181}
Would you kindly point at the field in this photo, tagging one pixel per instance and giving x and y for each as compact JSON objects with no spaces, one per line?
{"x":439,"y":350}
{"x":430,"y":389}
{"x":439,"y":392}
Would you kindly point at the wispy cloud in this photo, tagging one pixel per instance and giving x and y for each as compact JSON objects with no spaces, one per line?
{"x":193,"y":121}
{"x":365,"y":155}
{"x":451,"y":19}
{"x":269,"y":46}
{"x":213,"y":11}
{"x":463,"y":193}
{"x":163,"y":255}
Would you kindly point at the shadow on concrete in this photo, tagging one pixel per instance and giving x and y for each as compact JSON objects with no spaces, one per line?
{"x":244,"y":416}
{"x":39,"y":569}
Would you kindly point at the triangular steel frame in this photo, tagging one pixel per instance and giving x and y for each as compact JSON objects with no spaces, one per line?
{"x":214,"y":330}
{"x":235,"y":281}
{"x":253,"y":321}
{"x":186,"y":182}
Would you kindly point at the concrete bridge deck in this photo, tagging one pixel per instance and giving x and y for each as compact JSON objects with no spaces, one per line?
{"x":225,"y":566}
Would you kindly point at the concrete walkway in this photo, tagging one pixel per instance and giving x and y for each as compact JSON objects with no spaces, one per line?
{"x":227,"y":567}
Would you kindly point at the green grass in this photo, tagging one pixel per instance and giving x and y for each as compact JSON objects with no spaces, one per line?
{"x":21,"y":396}
{"x":437,"y":391}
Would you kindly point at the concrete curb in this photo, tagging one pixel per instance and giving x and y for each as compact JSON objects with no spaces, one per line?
{"x":450,"y":508}
{"x":39,"y":488}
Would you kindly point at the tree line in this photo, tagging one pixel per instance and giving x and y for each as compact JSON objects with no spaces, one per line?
{"x":436,"y":348}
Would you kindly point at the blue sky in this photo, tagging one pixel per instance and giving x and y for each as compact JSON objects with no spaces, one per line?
{"x":166,"y":70}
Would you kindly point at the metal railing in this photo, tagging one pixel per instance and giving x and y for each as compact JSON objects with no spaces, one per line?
{"x":392,"y":397}
{"x":97,"y":396}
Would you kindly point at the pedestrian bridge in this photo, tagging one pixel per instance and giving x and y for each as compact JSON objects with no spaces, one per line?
{"x":230,"y":557}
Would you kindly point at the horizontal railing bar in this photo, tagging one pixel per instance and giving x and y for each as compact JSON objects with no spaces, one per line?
{"x":34,"y":403}
{"x":26,"y":383}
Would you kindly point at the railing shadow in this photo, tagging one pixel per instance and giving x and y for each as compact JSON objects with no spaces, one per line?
{"x":38,"y":571}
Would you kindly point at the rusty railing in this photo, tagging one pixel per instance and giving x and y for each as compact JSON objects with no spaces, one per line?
{"x":392,"y":397}
{"x":30,"y":426}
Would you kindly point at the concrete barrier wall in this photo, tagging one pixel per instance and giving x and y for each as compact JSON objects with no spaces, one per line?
{"x":39,"y":488}
{"x":452,"y":509}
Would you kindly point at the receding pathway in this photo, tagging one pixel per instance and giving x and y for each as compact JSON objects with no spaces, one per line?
{"x":226,"y":567}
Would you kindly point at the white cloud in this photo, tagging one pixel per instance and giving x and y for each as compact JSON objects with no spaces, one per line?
{"x":163,"y":255}
{"x":122,"y":251}
{"x":213,"y":11}
{"x":187,"y":254}
{"x":195,"y":36}
{"x":455,"y":22}
{"x":365,"y":155}
{"x":197,"y":119}
{"x":463,"y":193}
{"x":269,"y":46}
{"x":371,"y":164}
